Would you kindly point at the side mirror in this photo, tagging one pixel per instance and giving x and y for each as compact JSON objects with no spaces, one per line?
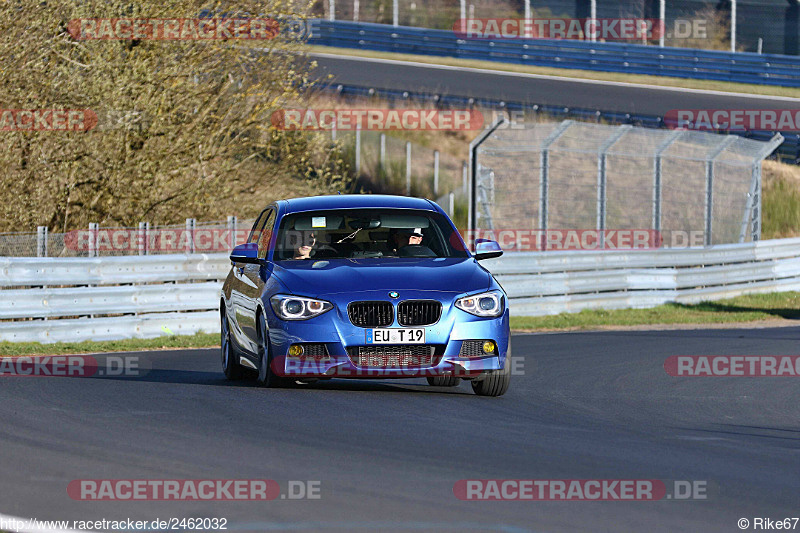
{"x":245,"y":253}
{"x":486,"y":249}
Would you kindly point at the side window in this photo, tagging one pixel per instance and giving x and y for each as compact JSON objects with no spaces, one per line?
{"x":266,"y":235}
{"x":255,"y":233}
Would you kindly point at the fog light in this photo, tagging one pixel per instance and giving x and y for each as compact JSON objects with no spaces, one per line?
{"x":488,"y":347}
{"x":295,"y":350}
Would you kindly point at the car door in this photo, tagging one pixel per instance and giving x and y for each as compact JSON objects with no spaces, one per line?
{"x":240,"y":289}
{"x":253,"y":284}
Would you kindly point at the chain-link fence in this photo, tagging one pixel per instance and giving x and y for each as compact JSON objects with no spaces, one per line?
{"x":146,"y":239}
{"x":687,"y":187}
{"x":398,"y":166}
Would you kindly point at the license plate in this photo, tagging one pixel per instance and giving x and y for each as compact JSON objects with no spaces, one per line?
{"x":396,"y":336}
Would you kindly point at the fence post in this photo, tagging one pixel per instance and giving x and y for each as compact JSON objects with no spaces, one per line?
{"x":94,"y":228}
{"x":408,"y":168}
{"x":602,"y":181}
{"x":709,"y":207}
{"x":544,"y":180}
{"x":41,"y":241}
{"x":464,"y":176}
{"x":452,"y":199}
{"x":358,"y":149}
{"x":435,"y":173}
{"x":190,"y":224}
{"x":143,"y":238}
{"x":395,"y":13}
{"x":231,"y":225}
{"x":331,"y":10}
{"x":356,"y":9}
{"x":382,"y":157}
{"x":472,"y":215}
{"x":657,"y":179}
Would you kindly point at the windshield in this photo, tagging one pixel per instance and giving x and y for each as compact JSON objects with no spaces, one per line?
{"x":362,"y":233}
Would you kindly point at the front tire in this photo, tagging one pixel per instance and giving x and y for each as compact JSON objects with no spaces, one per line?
{"x":230,"y":361}
{"x":266,"y":377}
{"x":496,"y":383}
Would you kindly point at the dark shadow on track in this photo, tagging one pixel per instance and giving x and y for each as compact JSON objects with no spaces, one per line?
{"x":193,"y":377}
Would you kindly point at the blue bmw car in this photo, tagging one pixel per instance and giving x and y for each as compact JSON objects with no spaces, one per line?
{"x":363,"y":286}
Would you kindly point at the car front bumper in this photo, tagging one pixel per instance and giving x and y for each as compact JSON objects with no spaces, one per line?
{"x":338,"y":334}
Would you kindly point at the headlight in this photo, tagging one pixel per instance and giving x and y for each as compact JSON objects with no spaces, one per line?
{"x":484,"y":304}
{"x":298,"y":307}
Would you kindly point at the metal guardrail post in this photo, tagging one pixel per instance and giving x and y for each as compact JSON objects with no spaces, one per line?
{"x":143,"y":238}
{"x":436,"y":173}
{"x":358,"y":150}
{"x":657,"y":177}
{"x":190,"y":224}
{"x":41,"y":241}
{"x":231,"y":225}
{"x":408,"y":168}
{"x":382,"y":157}
{"x":709,"y":203}
{"x":94,"y":229}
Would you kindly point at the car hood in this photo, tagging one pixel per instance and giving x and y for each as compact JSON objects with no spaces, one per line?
{"x":317,"y":278}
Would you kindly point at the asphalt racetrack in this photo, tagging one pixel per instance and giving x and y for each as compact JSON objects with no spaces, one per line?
{"x":387,"y":453}
{"x":531,"y":89}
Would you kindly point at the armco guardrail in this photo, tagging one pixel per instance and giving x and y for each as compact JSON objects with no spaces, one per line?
{"x":106,"y":298}
{"x":741,"y":67}
{"x":544,"y":283}
{"x":123,"y":297}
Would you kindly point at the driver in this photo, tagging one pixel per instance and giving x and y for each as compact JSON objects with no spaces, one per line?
{"x":303,"y":251}
{"x":402,"y":237}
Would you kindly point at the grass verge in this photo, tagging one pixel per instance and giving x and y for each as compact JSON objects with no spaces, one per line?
{"x":641,"y":79}
{"x":199,"y":340}
{"x":749,"y":308}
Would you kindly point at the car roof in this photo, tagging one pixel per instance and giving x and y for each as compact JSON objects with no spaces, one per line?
{"x":355,"y":201}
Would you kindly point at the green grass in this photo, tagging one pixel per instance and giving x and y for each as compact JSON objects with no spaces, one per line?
{"x":781,"y":205}
{"x":199,"y":340}
{"x":749,"y":308}
{"x":662,"y":81}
